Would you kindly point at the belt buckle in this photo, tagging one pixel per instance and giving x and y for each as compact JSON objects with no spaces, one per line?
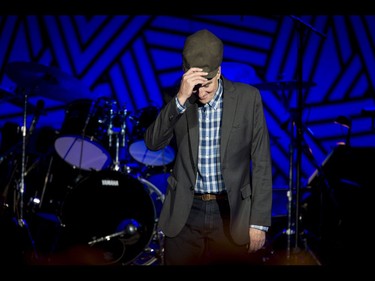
{"x":206,"y":197}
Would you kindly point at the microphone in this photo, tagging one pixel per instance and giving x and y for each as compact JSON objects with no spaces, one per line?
{"x":38,"y":111}
{"x":129,"y":227}
{"x":126,"y":229}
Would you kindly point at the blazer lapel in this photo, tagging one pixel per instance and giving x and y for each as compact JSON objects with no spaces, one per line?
{"x":229,"y":109}
{"x":193,"y":126}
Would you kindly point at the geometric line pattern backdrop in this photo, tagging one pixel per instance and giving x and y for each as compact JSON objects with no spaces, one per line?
{"x":135,"y":60}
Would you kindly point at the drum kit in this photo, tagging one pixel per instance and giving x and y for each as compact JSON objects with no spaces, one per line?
{"x":79,"y":190}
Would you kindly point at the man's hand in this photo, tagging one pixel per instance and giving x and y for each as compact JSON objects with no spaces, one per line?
{"x":257,"y":239}
{"x":194,"y":76}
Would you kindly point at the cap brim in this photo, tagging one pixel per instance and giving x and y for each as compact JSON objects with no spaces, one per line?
{"x":212,"y":74}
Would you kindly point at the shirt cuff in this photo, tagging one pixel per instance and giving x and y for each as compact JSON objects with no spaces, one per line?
{"x":181,"y":108}
{"x":260,"y":227}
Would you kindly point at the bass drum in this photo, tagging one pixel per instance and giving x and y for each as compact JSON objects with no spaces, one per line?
{"x":114,"y":215}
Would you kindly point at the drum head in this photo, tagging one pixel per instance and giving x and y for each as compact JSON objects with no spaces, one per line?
{"x":111,"y":212}
{"x":142,"y":154}
{"x":82,"y":153}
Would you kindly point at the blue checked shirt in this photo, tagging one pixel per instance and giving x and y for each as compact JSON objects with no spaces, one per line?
{"x":209,"y":176}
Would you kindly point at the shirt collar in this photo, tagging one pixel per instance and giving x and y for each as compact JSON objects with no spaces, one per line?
{"x":215,"y":101}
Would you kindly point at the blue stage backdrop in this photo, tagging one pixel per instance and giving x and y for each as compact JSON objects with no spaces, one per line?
{"x":317,"y":69}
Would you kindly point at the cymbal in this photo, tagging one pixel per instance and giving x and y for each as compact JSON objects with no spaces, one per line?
{"x":16,"y":100}
{"x":283,"y":85}
{"x":46,"y":81}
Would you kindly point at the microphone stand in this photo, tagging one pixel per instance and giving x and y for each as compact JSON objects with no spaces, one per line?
{"x":296,"y":143}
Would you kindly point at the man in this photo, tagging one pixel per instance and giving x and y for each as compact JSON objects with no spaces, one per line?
{"x":218,"y":202}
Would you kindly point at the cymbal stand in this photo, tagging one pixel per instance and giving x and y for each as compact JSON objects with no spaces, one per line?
{"x":296,"y":144}
{"x":21,"y":188}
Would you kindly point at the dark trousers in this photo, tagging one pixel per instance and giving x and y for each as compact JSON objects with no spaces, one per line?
{"x":205,"y":238}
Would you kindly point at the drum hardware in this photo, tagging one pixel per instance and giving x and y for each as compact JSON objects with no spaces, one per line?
{"x":5,"y":194}
{"x":117,"y":127}
{"x":37,"y":113}
{"x":149,"y":254}
{"x":53,"y":182}
{"x":10,"y":198}
{"x":36,"y":201}
{"x":21,"y":188}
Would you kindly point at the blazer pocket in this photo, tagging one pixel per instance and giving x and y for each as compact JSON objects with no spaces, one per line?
{"x":236,"y":126}
{"x":172,"y":183}
{"x":246,"y":191}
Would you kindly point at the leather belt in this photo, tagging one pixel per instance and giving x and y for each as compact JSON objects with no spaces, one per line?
{"x":210,"y":196}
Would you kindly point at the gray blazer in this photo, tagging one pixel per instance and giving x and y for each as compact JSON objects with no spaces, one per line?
{"x":245,"y":147}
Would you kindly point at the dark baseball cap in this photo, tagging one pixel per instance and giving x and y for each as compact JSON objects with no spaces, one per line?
{"x":205,"y":50}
